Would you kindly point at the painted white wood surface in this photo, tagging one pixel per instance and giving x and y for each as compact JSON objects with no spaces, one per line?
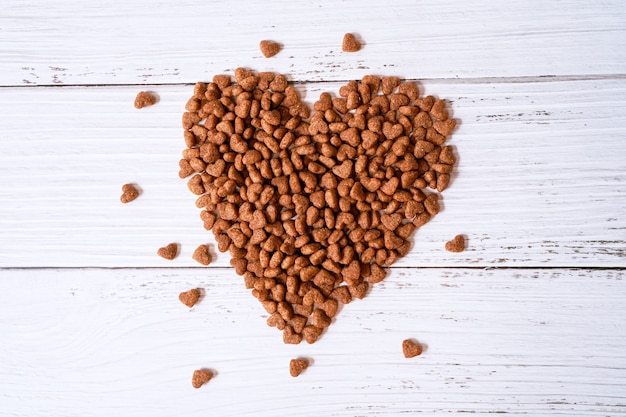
{"x":541,"y":178}
{"x":520,"y":342}
{"x":130,"y":42}
{"x":528,"y":321}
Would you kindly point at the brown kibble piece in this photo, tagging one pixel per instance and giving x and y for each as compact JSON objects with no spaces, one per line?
{"x":200,"y":377}
{"x":297,"y":366}
{"x":269,"y":48}
{"x":311,"y":333}
{"x":389,"y":84}
{"x":377,"y":274}
{"x":222,"y":80}
{"x":439,"y":110}
{"x":168,"y":252}
{"x":350,"y":44}
{"x":189,"y":298}
{"x":320,"y":319}
{"x":447,"y":155}
{"x":202,"y":255}
{"x":456,"y":245}
{"x":411,"y":349}
{"x":129,"y":193}
{"x":185,"y":169}
{"x":144,"y":99}
{"x":442,"y":181}
{"x":432,"y":204}
{"x":444,"y":127}
{"x":290,"y":337}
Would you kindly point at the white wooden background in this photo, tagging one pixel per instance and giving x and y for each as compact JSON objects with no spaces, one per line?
{"x":529,"y":320}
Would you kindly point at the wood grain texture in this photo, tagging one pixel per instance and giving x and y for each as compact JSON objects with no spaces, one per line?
{"x":520,"y":342}
{"x":541,"y":178}
{"x":140,"y":42}
{"x":527,"y":321}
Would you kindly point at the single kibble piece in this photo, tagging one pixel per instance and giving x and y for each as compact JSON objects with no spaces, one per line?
{"x":456,"y":245}
{"x":297,"y":366}
{"x":269,"y":48}
{"x":189,"y":298}
{"x":168,"y":252}
{"x":411,"y":349}
{"x":350,"y":44}
{"x":144,"y":99}
{"x":202,"y":255}
{"x":200,"y":377}
{"x":129,"y":193}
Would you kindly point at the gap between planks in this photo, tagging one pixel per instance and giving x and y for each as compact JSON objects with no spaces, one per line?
{"x":472,"y":80}
{"x":226,"y":268}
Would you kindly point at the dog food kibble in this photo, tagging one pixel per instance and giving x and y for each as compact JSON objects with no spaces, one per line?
{"x":313,"y":204}
{"x":200,"y":377}
{"x":456,"y":245}
{"x":269,"y":48}
{"x":350,"y":44}
{"x":189,"y":298}
{"x":201,"y":255}
{"x":129,"y":193}
{"x":297,"y":366}
{"x":168,"y":252}
{"x":411,"y":349}
{"x":144,"y":99}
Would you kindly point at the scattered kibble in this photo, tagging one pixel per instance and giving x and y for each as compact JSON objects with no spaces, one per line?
{"x":456,"y":245}
{"x":145,"y":99}
{"x":200,"y":377}
{"x":411,"y":349}
{"x":168,"y":252}
{"x":201,"y":255}
{"x":189,"y":298}
{"x":297,"y":366}
{"x":129,"y":193}
{"x":269,"y":48}
{"x":350,"y":44}
{"x":313,"y":205}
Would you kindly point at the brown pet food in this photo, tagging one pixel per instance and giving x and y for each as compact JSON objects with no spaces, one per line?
{"x":129,"y":193}
{"x":411,"y":349}
{"x":313,"y":205}
{"x":297,"y":366}
{"x":168,"y":252}
{"x":456,"y":245}
{"x":350,"y":44}
{"x":269,"y":48}
{"x":189,"y":298}
{"x":202,"y":255}
{"x":144,"y":99}
{"x":200,"y":377}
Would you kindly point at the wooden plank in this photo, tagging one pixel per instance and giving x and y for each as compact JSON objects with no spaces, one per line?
{"x":517,"y":341}
{"x":540,"y":180}
{"x":138,"y":42}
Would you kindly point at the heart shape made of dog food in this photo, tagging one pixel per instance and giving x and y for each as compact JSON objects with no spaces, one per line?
{"x":313,"y":205}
